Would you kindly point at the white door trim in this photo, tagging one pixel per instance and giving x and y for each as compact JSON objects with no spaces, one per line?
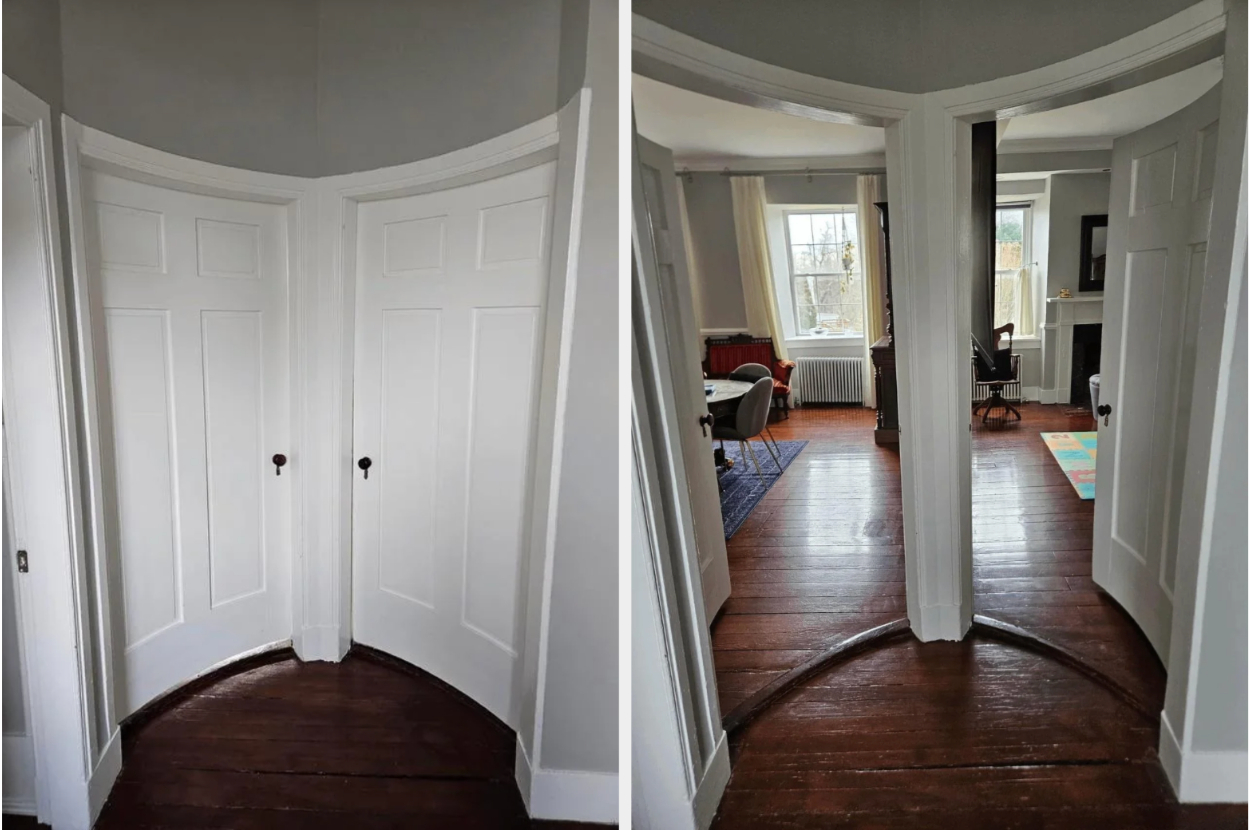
{"x":72,"y":768}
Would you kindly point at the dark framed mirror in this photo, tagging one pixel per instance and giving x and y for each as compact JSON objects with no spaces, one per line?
{"x":1093,"y":252}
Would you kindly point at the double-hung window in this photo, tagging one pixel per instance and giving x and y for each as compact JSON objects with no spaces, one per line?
{"x":1012,"y":254}
{"x":826,"y":270}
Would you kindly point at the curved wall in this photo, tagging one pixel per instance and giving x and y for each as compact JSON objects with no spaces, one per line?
{"x":910,"y":45}
{"x":291,"y":86}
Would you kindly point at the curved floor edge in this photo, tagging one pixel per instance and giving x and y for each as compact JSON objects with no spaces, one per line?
{"x":753,"y":706}
{"x":1014,"y":635}
{"x":137,"y":719}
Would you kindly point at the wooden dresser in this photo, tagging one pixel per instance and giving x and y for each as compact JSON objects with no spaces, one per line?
{"x":885,"y":376}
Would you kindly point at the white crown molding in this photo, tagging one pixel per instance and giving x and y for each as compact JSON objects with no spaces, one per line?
{"x":753,"y":82}
{"x":706,"y":164}
{"x":1055,"y":145}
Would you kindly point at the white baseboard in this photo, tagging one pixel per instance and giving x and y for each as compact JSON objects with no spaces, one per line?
{"x":567,"y":795}
{"x":715,"y":778}
{"x":18,"y":805}
{"x":940,"y":622}
{"x":318,"y":642}
{"x":1031,"y":393}
{"x":1047,"y":395}
{"x":105,"y":774}
{"x":1199,"y":777}
{"x":19,"y":775}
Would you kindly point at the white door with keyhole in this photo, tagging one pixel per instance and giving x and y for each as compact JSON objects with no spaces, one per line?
{"x":189,"y":306}
{"x":660,"y":190}
{"x":449,"y":324}
{"x":1161,"y":182}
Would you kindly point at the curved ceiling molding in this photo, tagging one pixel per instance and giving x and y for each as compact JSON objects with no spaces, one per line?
{"x":1186,"y":39}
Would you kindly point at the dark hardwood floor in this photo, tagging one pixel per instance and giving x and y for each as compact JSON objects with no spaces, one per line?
{"x":819,"y":559}
{"x":975,"y":734}
{"x":1032,"y":542}
{"x":358,"y":744}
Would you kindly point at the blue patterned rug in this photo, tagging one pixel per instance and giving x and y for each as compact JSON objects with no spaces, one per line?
{"x":741,"y":488}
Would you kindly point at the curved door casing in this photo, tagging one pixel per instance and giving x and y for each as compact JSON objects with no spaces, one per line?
{"x":190,"y":297}
{"x":449,"y":321}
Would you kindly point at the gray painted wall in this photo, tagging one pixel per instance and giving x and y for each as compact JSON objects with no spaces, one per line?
{"x":1054,"y":162}
{"x":231,"y":81}
{"x":908,"y":45}
{"x":580,"y":714}
{"x":709,"y":204}
{"x":32,"y":47}
{"x":400,"y":81}
{"x":1072,"y":195}
{"x":290,"y":86}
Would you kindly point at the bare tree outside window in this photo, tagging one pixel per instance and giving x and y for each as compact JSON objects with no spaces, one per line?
{"x":826,"y":271}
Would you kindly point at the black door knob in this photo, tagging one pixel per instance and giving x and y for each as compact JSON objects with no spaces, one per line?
{"x":279,"y":461}
{"x":1105,"y":411}
{"x":364,"y":464}
{"x":706,"y":421}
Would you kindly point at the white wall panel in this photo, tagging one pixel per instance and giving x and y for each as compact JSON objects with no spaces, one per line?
{"x":504,"y":342}
{"x":234,"y":428}
{"x":410,"y":404}
{"x":139,"y":379}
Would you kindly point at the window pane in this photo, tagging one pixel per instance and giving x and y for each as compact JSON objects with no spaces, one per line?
{"x":827,"y":272}
{"x":800,"y":228}
{"x":803,"y":259}
{"x":1009,"y":239}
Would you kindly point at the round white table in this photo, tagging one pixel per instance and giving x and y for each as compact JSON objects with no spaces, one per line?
{"x":724,"y":391}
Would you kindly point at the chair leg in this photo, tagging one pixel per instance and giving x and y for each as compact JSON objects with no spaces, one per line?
{"x":773,"y":453}
{"x":748,"y":448}
{"x":776,"y":446}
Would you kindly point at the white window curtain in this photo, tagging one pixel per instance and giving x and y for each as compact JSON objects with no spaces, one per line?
{"x":1028,"y":326}
{"x":868,"y":187}
{"x":751,"y":228}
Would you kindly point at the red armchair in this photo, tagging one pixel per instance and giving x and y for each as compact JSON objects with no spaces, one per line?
{"x":724,"y":354}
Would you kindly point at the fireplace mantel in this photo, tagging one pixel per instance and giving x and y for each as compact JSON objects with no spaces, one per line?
{"x":1062,"y":314}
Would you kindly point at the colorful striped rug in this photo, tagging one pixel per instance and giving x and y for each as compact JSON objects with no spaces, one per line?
{"x":1076,"y":453}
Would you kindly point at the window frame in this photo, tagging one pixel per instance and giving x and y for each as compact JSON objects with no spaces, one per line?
{"x":793,"y":276}
{"x":1026,"y":257}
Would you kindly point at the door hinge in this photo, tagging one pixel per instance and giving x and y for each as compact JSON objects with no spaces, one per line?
{"x":23,"y":562}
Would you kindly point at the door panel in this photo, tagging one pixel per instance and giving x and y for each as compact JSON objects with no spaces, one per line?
{"x":191,"y":351}
{"x":1160,"y":212}
{"x":450,"y":293}
{"x":659,"y":185}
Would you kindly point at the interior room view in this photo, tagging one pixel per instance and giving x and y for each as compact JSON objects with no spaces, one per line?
{"x":783,"y":222}
{"x":1066,"y":244}
{"x":304,"y":517}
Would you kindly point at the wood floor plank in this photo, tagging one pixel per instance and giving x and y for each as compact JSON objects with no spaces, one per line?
{"x":977,"y":734}
{"x":357,"y":744}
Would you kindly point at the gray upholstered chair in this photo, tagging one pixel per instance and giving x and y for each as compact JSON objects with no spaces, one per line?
{"x":749,"y":421}
{"x":753,"y":372}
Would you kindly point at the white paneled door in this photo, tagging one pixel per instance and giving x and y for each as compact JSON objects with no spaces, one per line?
{"x":191,"y":354}
{"x":1161,"y":182}
{"x":659,"y":186}
{"x":449,"y":322}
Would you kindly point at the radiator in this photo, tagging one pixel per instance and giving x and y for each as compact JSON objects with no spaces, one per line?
{"x":829,"y":379}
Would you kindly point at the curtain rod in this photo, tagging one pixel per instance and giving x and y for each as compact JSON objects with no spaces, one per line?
{"x":687,"y":173}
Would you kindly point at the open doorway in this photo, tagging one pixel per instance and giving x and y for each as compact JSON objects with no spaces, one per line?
{"x":774,"y":228}
{"x":1099,"y":230}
